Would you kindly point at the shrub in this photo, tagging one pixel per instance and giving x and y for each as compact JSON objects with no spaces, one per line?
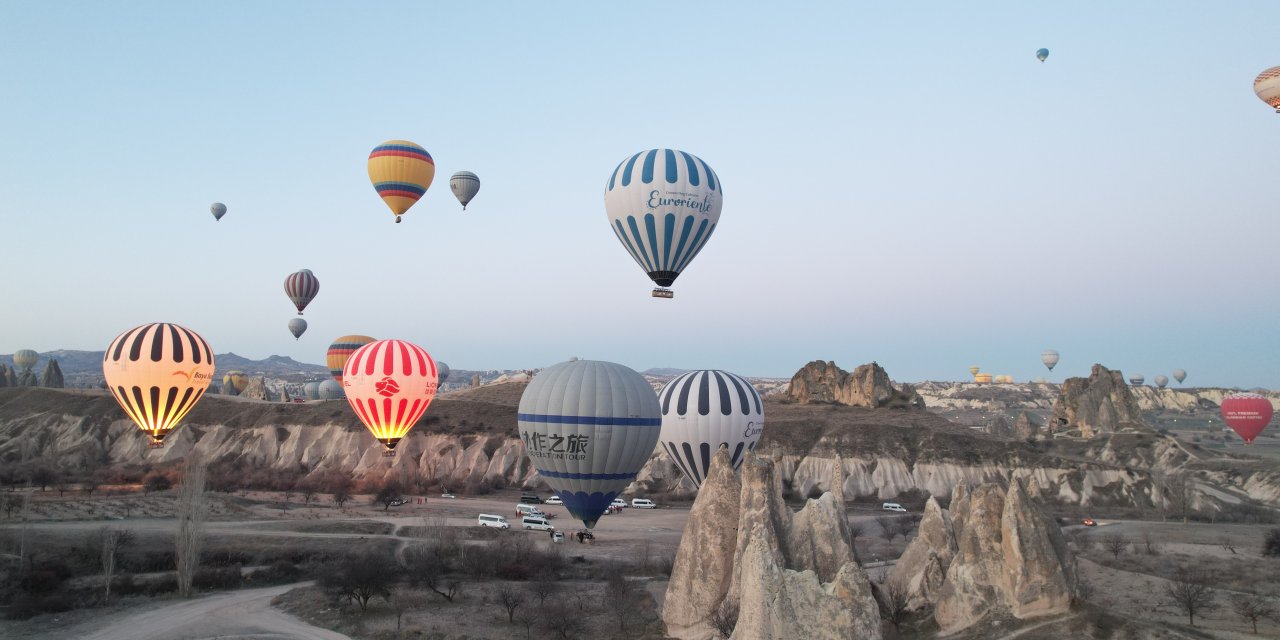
{"x":1271,"y":544}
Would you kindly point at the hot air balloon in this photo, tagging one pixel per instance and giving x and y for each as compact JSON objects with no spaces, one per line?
{"x":1042,"y":54}
{"x":702,"y":410}
{"x":24,"y":359}
{"x":1267,"y":86}
{"x":158,"y":372}
{"x":1247,"y":413}
{"x":330,"y":390}
{"x":442,"y":371}
{"x":663,"y":205}
{"x":1050,"y":358}
{"x":401,"y":172}
{"x":1137,"y":380}
{"x":390,"y":384}
{"x":973,"y":371}
{"x":297,"y":326}
{"x":1162,"y":381}
{"x":588,"y":427}
{"x":341,"y":349}
{"x":233,"y":382}
{"x":311,"y":390}
{"x":218,"y":210}
{"x":464,"y":185}
{"x":301,"y":287}
{"x":1179,"y":375}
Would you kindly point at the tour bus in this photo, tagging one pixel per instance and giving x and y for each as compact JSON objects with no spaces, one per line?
{"x":892,"y":506}
{"x":643,"y":503}
{"x":491,"y":520}
{"x":536,"y":523}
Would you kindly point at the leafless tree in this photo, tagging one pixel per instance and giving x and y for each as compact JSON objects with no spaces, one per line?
{"x":905,"y":525}
{"x":90,"y":485}
{"x":1149,"y":543}
{"x":894,"y":603}
{"x":1189,"y":591}
{"x":1227,"y":544}
{"x":621,"y":597}
{"x":527,"y":617}
{"x":1179,"y":492}
{"x":724,"y":619}
{"x":566,"y":622}
{"x":510,"y":599}
{"x":856,"y":531}
{"x":1253,"y":608}
{"x":426,"y":566}
{"x":360,"y":577}
{"x":403,"y":601}
{"x":1084,"y":590}
{"x":543,"y":586}
{"x":308,"y":491}
{"x":340,"y":497}
{"x":109,"y":541}
{"x":10,"y":503}
{"x":388,"y":495}
{"x":1114,"y":544}
{"x":888,"y":528}
{"x":191,"y":514}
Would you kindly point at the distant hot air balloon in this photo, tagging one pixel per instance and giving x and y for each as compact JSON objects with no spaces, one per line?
{"x":1179,"y":375}
{"x":1267,"y":86}
{"x":1050,"y":358}
{"x":1136,"y":380}
{"x":330,"y":390}
{"x":24,"y":359}
{"x":1247,"y":413}
{"x":973,"y":371}
{"x":589,"y":427}
{"x":218,"y":210}
{"x":297,"y":326}
{"x":1042,"y":54}
{"x":390,"y":384}
{"x":341,"y":349}
{"x":401,"y":172}
{"x":442,"y":371}
{"x":1162,"y":381}
{"x":158,"y":372}
{"x":233,"y":382}
{"x":663,"y":205}
{"x":311,"y":390}
{"x":464,"y":185}
{"x":301,"y":287}
{"x":702,"y":410}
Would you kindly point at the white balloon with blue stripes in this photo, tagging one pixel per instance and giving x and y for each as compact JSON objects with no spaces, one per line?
{"x":702,"y":410}
{"x":588,"y":428}
{"x":663,"y":205}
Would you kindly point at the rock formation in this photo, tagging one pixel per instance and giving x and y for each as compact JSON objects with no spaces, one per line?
{"x":1011,"y":559}
{"x":256,"y":389}
{"x":27,"y":379}
{"x":1000,"y":427}
{"x":868,"y":386}
{"x":788,"y":576}
{"x":1026,"y":426}
{"x":52,"y":376}
{"x":4,"y":376}
{"x":920,"y":572}
{"x":11,"y":377}
{"x":1098,"y":404}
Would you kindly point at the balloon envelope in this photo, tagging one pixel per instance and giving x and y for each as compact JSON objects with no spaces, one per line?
{"x":1050,"y":358}
{"x":1246,"y":413}
{"x":301,"y":287}
{"x":401,"y":172}
{"x":974,"y":370}
{"x":1179,"y":375}
{"x":1137,"y":380}
{"x":341,"y":349}
{"x":158,"y":372}
{"x":663,"y":205}
{"x":1267,"y":86}
{"x":702,"y":410}
{"x":1042,"y":54}
{"x":311,"y":390}
{"x":589,"y":427}
{"x":389,"y":384}
{"x":464,"y":185}
{"x":330,"y":390}
{"x":218,"y":210}
{"x":233,"y":382}
{"x":297,"y":326}
{"x":25,"y":358}
{"x":1162,"y":381}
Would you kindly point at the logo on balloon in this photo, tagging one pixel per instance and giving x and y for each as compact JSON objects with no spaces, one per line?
{"x":658,"y":199}
{"x":386,"y":387}
{"x":752,"y":430}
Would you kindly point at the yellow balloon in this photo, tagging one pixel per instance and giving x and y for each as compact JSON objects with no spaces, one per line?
{"x":401,"y":172}
{"x":158,"y":372}
{"x":235,"y":380}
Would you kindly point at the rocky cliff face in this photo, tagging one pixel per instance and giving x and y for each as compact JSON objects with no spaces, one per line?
{"x":920,"y":572}
{"x":1098,"y":404}
{"x":868,"y":386}
{"x":51,"y":378}
{"x":786,"y":576}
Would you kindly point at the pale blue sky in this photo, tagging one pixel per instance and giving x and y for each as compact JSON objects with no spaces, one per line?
{"x":903,"y":183}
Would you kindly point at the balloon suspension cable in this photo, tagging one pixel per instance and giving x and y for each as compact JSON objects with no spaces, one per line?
{"x":661,"y":292}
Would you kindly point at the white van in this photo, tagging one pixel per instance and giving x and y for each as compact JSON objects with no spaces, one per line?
{"x":619,"y":503}
{"x":892,"y":506}
{"x":529,"y":510}
{"x":491,"y":520}
{"x":643,"y":503}
{"x":536,"y":523}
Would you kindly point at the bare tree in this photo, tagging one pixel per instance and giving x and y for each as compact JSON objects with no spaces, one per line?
{"x":340,"y":497}
{"x":427,"y":566}
{"x":1179,"y":492}
{"x":1114,"y":544}
{"x":888,"y":528}
{"x":894,"y":605}
{"x":90,"y":485}
{"x":1190,"y":593}
{"x":156,"y":482}
{"x":191,"y":514}
{"x":388,"y":495}
{"x":724,"y":619}
{"x":405,"y":600}
{"x":1253,"y":608}
{"x":361,"y":577}
{"x":621,"y":596}
{"x":109,"y":541}
{"x":11,"y":503}
{"x":1227,"y":544}
{"x":527,"y":617}
{"x":510,"y":599}
{"x":1149,"y":542}
{"x":856,"y":531}
{"x":308,"y":491}
{"x":543,"y":586}
{"x":566,"y":622}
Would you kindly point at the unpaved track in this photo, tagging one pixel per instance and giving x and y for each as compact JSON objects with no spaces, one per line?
{"x":245,"y":615}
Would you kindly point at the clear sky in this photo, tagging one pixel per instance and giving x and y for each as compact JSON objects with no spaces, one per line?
{"x":903,"y":183}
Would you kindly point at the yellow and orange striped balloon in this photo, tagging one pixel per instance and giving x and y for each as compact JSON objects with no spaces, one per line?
{"x":158,"y":372}
{"x":401,"y":172}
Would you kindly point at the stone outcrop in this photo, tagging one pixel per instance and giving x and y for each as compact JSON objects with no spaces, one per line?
{"x":27,"y":379}
{"x":1101,"y":403}
{"x":11,"y":377}
{"x":920,"y":571}
{"x":4,"y":376}
{"x":1000,"y":427}
{"x":256,"y":389}
{"x":51,"y":378}
{"x":867,"y":386}
{"x":788,"y":576}
{"x":1026,"y":426}
{"x":1011,"y":560}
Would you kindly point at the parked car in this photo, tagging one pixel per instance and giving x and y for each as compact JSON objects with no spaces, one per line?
{"x":531,"y":510}
{"x":530,"y":498}
{"x":449,"y":496}
{"x":618,"y":502}
{"x":558,"y":537}
{"x":537,"y":523}
{"x":491,"y":520}
{"x":643,"y":503}
{"x":1088,"y":522}
{"x":553,"y":500}
{"x":397,"y":502}
{"x":892,"y":506}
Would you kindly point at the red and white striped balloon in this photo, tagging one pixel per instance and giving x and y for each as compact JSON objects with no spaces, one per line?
{"x":1247,"y":413}
{"x":390,"y":384}
{"x":301,"y":287}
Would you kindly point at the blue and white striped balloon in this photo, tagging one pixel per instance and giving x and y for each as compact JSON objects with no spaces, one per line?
{"x":663,"y":205}
{"x":588,"y":427}
{"x":702,"y":410}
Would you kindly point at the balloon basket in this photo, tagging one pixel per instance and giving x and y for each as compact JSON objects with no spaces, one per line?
{"x":663,"y":293}
{"x":390,"y":453}
{"x":155,"y":444}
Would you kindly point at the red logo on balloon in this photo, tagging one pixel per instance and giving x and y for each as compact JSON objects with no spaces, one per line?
{"x":386,"y":387}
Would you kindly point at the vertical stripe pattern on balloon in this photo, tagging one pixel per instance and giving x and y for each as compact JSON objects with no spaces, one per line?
{"x":301,"y":287}
{"x":702,"y":410}
{"x":390,"y":384}
{"x":158,"y":372}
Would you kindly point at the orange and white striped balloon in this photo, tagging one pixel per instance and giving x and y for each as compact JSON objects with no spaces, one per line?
{"x":390,"y":384}
{"x":158,"y":372}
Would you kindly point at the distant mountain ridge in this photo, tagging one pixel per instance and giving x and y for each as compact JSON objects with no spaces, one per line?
{"x":84,"y":368}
